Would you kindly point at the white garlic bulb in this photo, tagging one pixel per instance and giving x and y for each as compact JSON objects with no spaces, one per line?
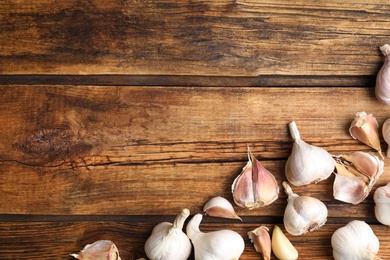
{"x":216,"y":245}
{"x":168,"y":241}
{"x":303,"y":213}
{"x":307,"y":163}
{"x":99,"y":250}
{"x":386,"y":135}
{"x":382,"y":85}
{"x":382,"y":204}
{"x":355,"y":241}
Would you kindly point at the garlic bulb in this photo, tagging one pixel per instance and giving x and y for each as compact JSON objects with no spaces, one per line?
{"x":382,"y":85}
{"x":261,"y":241}
{"x":168,"y":241}
{"x":216,"y":245}
{"x":303,"y":213}
{"x":386,"y":135}
{"x":99,"y":250}
{"x":220,"y":207}
{"x":255,"y":186}
{"x":382,"y":204}
{"x":307,"y":163}
{"x":281,"y":246}
{"x":355,"y":241}
{"x":365,"y":129}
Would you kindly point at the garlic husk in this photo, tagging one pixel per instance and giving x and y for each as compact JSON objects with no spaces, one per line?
{"x":364,"y":127}
{"x":216,"y":245}
{"x":168,"y":241}
{"x":307,"y":163}
{"x":255,"y":186}
{"x":303,"y":213}
{"x":99,"y":250}
{"x":355,"y":241}
{"x":382,"y":204}
{"x":261,"y":241}
{"x":220,"y":207}
{"x":386,"y":135}
{"x":355,"y":176}
{"x":282,"y":247}
{"x":382,"y":84}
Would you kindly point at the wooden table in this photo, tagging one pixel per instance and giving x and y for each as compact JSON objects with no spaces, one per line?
{"x":115,"y":115}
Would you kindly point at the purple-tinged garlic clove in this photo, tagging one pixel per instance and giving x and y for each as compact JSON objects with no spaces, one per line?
{"x":261,"y":241}
{"x":220,"y":207}
{"x":99,"y":250}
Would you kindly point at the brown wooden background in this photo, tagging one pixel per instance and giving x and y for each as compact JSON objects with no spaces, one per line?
{"x":115,"y":115}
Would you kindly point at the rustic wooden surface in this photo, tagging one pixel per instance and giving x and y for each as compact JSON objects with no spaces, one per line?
{"x":115,"y":115}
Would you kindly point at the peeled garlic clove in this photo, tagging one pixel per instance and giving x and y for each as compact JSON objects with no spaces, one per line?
{"x":255,"y":187}
{"x":261,"y":241}
{"x":220,"y":207}
{"x":281,"y":246}
{"x":215,"y":245}
{"x":386,"y":135}
{"x":365,"y":129}
{"x":99,"y":250}
{"x":356,"y":240}
{"x":303,"y":213}
{"x":307,"y":163}
{"x":382,"y":204}
{"x":382,"y":85}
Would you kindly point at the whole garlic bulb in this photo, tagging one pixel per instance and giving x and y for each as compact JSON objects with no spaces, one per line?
{"x":382,"y":204}
{"x":382,"y":85}
{"x":355,"y":241}
{"x":386,"y":135}
{"x":307,"y":163}
{"x":168,"y":241}
{"x":303,"y":213}
{"x":216,"y":245}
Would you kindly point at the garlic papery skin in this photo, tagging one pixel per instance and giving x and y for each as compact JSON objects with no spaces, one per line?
{"x":99,"y":250}
{"x":382,"y":204}
{"x":255,"y":186}
{"x":261,"y":241}
{"x":220,"y":207}
{"x":355,"y":241}
{"x":364,"y":127}
{"x":382,"y":85}
{"x":216,"y":245}
{"x":307,"y":163}
{"x":303,"y":213}
{"x":168,"y":241}
{"x":281,"y":246}
{"x":386,"y":135}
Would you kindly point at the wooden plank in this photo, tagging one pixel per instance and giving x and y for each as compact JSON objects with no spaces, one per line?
{"x":224,"y":38}
{"x":50,"y":240}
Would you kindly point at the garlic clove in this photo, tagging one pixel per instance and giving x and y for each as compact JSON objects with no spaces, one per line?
{"x":255,"y":186}
{"x":382,"y":85}
{"x":365,"y":129}
{"x":262,"y":241}
{"x":99,"y":250}
{"x":307,"y":163}
{"x":382,"y":204}
{"x":281,"y":246}
{"x":367,"y":164}
{"x":350,"y":189}
{"x":386,"y":135}
{"x":220,"y":207}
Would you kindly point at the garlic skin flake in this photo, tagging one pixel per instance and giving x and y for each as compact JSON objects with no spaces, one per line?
{"x":307,"y":163}
{"x":255,"y":186}
{"x":364,"y":127}
{"x":382,"y":85}
{"x":386,"y":135}
{"x":99,"y":250}
{"x":261,"y":241}
{"x":382,"y":204}
{"x":220,"y":207}
{"x":281,"y":246}
{"x":303,"y":213}
{"x":355,"y":241}
{"x":216,"y":245}
{"x":168,"y":241}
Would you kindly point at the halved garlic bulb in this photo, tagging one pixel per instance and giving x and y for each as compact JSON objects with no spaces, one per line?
{"x":99,"y":250}
{"x":386,"y":135}
{"x":303,"y":213}
{"x":262,"y":241}
{"x":281,"y":246}
{"x":382,"y":204}
{"x":382,"y":85}
{"x":307,"y":163}
{"x":220,"y":207}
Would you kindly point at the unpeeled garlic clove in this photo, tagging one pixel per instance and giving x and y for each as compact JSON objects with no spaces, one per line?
{"x":255,"y":186}
{"x":262,"y":241}
{"x":382,"y":84}
{"x":99,"y":250}
{"x":220,"y":207}
{"x":386,"y":135}
{"x":281,"y":246}
{"x":364,"y":127}
{"x":382,"y":204}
